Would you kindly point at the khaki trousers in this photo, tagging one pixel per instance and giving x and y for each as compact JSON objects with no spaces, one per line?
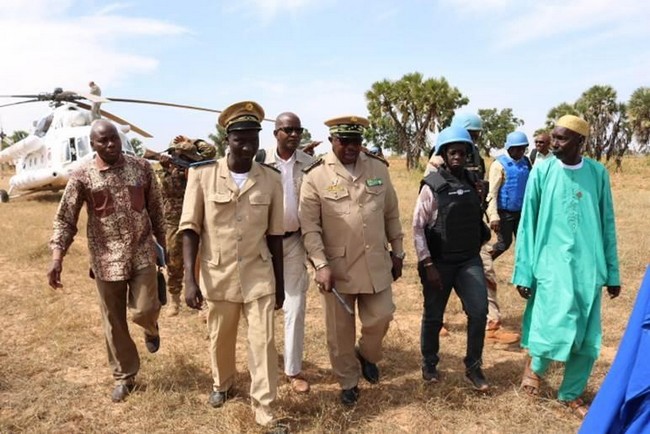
{"x":223,"y":319}
{"x":140,"y":294}
{"x":375,"y":313}
{"x":494,"y":313}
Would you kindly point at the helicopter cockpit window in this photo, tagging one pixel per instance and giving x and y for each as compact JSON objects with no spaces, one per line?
{"x":43,"y":125}
{"x":83,"y":146}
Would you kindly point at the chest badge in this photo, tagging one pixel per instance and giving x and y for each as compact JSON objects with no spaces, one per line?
{"x":335,"y":187}
{"x":372,"y":182}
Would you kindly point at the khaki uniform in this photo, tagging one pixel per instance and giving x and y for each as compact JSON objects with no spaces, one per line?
{"x":236,"y":273}
{"x":347,"y":222}
{"x":296,"y":279}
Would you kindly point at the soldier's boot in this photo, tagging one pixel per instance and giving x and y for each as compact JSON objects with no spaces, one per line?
{"x":174,"y":305}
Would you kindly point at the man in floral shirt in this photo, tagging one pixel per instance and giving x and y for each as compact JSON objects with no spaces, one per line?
{"x":124,"y":214}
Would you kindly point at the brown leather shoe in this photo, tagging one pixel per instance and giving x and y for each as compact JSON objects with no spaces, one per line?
{"x":493,"y":324}
{"x":299,"y":384}
{"x":501,"y":336}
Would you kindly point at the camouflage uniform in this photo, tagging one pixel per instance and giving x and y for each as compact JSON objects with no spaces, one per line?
{"x":174,"y":180}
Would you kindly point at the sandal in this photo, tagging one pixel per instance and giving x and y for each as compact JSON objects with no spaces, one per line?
{"x":530,"y":381}
{"x":577,"y":407}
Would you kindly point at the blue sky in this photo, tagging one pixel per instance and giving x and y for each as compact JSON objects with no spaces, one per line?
{"x":316,"y":57}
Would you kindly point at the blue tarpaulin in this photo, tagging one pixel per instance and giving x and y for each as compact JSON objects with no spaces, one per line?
{"x":622,"y":404}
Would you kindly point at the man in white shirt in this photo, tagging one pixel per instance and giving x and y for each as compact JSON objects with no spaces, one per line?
{"x":290,"y":161}
{"x":542,"y":149}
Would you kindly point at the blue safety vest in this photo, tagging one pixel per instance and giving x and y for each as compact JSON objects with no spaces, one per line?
{"x":511,"y":193}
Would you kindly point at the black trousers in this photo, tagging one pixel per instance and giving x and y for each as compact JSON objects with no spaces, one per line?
{"x":468,"y":280}
{"x":508,"y":230}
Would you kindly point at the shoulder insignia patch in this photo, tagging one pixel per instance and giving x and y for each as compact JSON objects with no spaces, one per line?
{"x":268,"y":166}
{"x":313,"y":165}
{"x":376,"y":157}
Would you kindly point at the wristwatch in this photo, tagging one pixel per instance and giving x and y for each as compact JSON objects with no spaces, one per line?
{"x":399,"y":255}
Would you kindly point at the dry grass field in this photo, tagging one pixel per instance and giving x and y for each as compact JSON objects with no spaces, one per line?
{"x":54,"y":375}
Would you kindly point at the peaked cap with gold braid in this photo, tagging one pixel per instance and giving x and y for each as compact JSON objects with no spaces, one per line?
{"x":347,"y":125}
{"x":244,"y":115}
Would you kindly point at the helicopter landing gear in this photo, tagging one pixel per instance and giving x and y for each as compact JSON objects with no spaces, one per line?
{"x":4,"y":196}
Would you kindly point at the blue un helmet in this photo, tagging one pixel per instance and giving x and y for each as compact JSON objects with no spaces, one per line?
{"x":453,"y":134}
{"x":516,"y":138}
{"x":469,"y":121}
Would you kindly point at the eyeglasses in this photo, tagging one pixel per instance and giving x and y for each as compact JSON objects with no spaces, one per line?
{"x":289,"y":130}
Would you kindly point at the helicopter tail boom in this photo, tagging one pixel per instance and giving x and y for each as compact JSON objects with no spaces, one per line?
{"x":20,"y":149}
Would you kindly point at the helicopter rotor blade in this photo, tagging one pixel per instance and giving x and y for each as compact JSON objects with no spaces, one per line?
{"x":19,"y":96}
{"x":121,"y":121}
{"x":167,"y":104}
{"x":91,"y":97}
{"x":20,"y":102}
{"x":117,"y":119}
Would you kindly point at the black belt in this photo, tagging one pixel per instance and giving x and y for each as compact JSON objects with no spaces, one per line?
{"x":288,"y":234}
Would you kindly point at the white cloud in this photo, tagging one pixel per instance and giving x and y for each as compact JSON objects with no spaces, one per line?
{"x":33,"y":9}
{"x":542,"y":20}
{"x":44,"y":46}
{"x":110,"y":8}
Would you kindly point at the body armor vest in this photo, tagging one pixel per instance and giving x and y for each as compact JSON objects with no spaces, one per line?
{"x":456,"y":234}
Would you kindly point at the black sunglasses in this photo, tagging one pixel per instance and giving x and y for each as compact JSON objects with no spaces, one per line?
{"x":289,"y":130}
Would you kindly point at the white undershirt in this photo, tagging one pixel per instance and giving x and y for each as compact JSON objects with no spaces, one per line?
{"x":239,"y":178}
{"x":286,"y":168}
{"x":573,"y":166}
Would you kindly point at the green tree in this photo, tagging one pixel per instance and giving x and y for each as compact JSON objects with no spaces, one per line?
{"x":382,"y":133}
{"x":598,"y":106}
{"x":219,"y":141}
{"x":496,"y":126}
{"x":609,"y":132}
{"x":638,"y":109}
{"x":17,"y":136}
{"x":557,"y":112}
{"x":411,"y":107}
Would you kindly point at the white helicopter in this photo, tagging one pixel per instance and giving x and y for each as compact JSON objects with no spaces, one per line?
{"x":60,"y":141}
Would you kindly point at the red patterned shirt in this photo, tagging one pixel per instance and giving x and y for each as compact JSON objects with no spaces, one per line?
{"x":124,"y":211}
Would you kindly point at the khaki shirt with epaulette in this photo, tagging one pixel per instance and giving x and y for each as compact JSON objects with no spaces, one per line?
{"x":348,"y":222}
{"x":236,"y":262}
